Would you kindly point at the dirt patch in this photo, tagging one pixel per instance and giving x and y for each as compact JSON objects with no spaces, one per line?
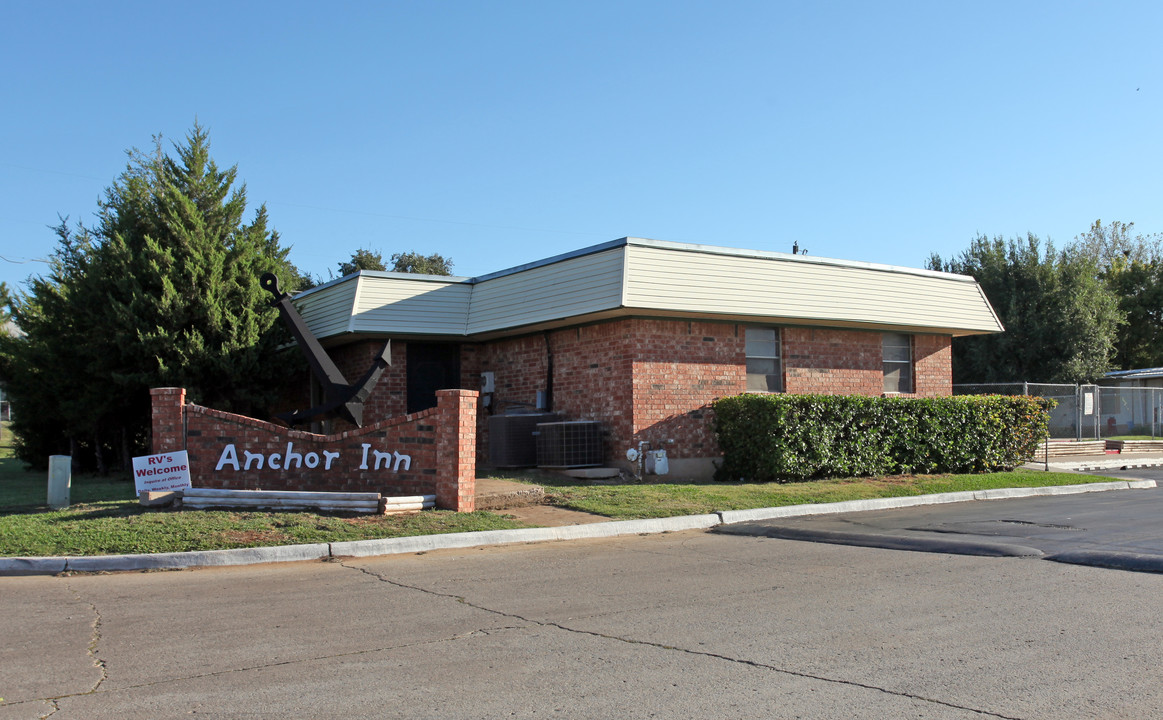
{"x":550,"y":516}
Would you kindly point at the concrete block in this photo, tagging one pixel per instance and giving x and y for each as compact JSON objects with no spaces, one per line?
{"x":158,"y":498}
{"x":591,"y":473}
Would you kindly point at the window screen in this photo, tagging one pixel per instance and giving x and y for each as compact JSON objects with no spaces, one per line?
{"x":898,"y":362}
{"x":764,"y":373}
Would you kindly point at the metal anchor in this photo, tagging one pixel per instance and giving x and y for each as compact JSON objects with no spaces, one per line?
{"x":340,"y":398}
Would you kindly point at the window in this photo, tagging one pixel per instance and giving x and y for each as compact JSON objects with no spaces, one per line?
{"x":764,"y":370}
{"x":898,"y":362}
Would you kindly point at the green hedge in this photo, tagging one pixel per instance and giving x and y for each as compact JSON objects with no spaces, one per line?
{"x":796,"y":437}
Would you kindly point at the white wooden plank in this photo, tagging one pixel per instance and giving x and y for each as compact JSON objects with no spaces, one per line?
{"x":288,"y":494}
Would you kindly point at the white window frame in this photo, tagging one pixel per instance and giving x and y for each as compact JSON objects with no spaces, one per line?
{"x":890,"y":345}
{"x":753,"y":352}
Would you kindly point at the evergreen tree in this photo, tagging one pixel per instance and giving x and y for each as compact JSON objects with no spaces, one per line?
{"x":162,"y":291}
{"x":5,"y":303}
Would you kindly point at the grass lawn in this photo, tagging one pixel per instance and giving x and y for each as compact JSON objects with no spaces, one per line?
{"x":662,"y":499}
{"x":105,"y":518}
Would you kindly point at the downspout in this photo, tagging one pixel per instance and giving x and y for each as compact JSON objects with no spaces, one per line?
{"x":548,"y":373}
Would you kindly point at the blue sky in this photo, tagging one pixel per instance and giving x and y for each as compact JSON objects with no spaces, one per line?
{"x":497,"y":133}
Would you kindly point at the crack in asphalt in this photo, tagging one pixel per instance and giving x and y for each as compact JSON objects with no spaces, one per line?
{"x":94,"y":641}
{"x":90,"y":650}
{"x":95,"y":638}
{"x":54,"y":701}
{"x":661,"y":646}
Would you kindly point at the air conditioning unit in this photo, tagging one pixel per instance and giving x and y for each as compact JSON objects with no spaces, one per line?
{"x":569,"y":444}
{"x":513,"y":439}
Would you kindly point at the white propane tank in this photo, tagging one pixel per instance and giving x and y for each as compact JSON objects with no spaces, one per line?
{"x":660,"y":465}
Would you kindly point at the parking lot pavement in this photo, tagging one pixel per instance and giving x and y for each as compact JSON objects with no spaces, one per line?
{"x":1119,"y":529}
{"x":1130,"y":471}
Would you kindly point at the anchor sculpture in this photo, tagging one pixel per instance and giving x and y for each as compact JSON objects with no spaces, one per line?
{"x":340,"y":398}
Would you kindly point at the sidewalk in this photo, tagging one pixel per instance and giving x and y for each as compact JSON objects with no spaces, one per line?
{"x":1086,"y":463}
{"x":559,"y":524}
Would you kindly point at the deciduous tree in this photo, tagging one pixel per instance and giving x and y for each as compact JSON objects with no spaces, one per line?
{"x":1061,"y":321}
{"x":409,"y":262}
{"x":1131,"y":265}
{"x":414,"y":262}
{"x":362,"y":259}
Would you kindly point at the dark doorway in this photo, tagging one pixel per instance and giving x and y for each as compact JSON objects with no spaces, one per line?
{"x":431,"y":367}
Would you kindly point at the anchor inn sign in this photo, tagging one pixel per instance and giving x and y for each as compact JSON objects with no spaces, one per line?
{"x":291,"y":460}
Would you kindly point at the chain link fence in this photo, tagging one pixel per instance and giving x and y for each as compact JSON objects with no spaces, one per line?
{"x":1087,"y":412}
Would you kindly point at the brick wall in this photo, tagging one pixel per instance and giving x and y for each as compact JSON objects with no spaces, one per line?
{"x":850,"y":362}
{"x":456,"y":416}
{"x":168,"y":423}
{"x":390,"y":395}
{"x":591,"y":376}
{"x":834,"y":362}
{"x":933,"y":356}
{"x":429,"y":452}
{"x":653,"y":380}
{"x":643,"y":379}
{"x":680,"y":368}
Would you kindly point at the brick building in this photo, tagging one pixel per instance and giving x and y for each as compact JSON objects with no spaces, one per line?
{"x":641,"y":336}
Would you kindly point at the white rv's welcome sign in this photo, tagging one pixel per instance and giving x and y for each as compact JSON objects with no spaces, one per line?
{"x":161,"y":473}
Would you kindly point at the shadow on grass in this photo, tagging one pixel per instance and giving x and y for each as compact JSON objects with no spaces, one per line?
{"x":549,"y":478}
{"x":663,"y":496}
{"x":84,"y":511}
{"x":24,"y":491}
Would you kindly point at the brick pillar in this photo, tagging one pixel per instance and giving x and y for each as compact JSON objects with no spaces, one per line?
{"x":168,"y":423}
{"x":456,"y":449}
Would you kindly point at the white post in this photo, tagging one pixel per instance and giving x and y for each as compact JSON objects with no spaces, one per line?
{"x":60,"y":477}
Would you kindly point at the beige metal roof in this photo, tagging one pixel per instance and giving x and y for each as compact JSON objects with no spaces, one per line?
{"x":795,"y":289}
{"x":640,"y":277}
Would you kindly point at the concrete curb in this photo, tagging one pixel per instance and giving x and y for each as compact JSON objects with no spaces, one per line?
{"x":737,"y":516}
{"x":983,"y":548}
{"x":1136,"y":562}
{"x":163,"y":561}
{"x":425,"y":543}
{"x":32,"y":565}
{"x":203,"y":558}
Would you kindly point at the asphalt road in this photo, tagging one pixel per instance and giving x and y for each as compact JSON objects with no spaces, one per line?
{"x":689,"y":624}
{"x":1120,"y":529}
